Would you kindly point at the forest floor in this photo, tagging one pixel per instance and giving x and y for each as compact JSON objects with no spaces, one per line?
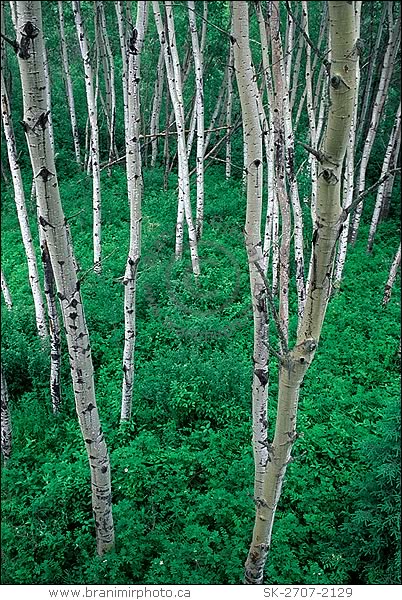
{"x":182,"y":470}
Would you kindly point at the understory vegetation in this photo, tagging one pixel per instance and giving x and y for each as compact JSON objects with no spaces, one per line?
{"x":182,"y":470}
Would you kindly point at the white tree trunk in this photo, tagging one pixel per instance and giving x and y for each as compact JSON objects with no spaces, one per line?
{"x":156,"y":109}
{"x":392,"y":276}
{"x":94,"y":142}
{"x":19,"y":197}
{"x":69,"y":86}
{"x":168,"y":43}
{"x":386,"y":73}
{"x":52,"y":221}
{"x":109,"y":76}
{"x":248,"y":92}
{"x":349,"y":171}
{"x":6,"y":292}
{"x":294,"y":363}
{"x":199,"y":104}
{"x":393,"y":140}
{"x":134,"y":187}
{"x":123,"y":45}
{"x":6,"y":430}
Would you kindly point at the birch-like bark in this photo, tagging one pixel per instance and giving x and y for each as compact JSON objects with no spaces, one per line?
{"x":349,"y":171}
{"x":395,"y":134}
{"x":391,"y":277}
{"x":6,"y":430}
{"x":198,"y":53}
{"x":94,"y":142}
{"x":22,"y":214}
{"x":134,"y":187}
{"x":310,"y":109}
{"x":285,"y":137}
{"x":168,"y":43}
{"x":123,"y":44}
{"x":6,"y":292}
{"x":294,"y":363}
{"x":109,"y":76}
{"x":248,"y":92}
{"x":52,"y":222}
{"x":386,"y":73}
{"x":229,"y":104}
{"x":389,"y":184}
{"x":367,"y":90}
{"x":69,"y":86}
{"x":296,"y":71}
{"x":156,"y":109}
{"x":54,"y":329}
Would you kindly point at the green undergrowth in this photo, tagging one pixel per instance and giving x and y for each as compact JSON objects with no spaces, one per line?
{"x":182,"y":470}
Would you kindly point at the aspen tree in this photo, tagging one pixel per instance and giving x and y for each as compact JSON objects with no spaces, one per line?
{"x":6,"y":430}
{"x":198,"y":53}
{"x":229,"y":104}
{"x":295,"y":361}
{"x":6,"y":292}
{"x":94,"y":135}
{"x":386,"y":73}
{"x":109,"y":77}
{"x":389,"y":184}
{"x":367,"y":90}
{"x":22,"y":213}
{"x":167,"y":40}
{"x":134,"y":187}
{"x":53,"y":225}
{"x":123,"y":44}
{"x":156,"y":108}
{"x":349,"y":170}
{"x":392,"y":276}
{"x":393,"y":140}
{"x":285,"y":137}
{"x":248,"y":92}
{"x":69,"y":85}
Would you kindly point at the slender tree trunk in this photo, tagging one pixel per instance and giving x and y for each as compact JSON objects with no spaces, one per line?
{"x":168,"y":43}
{"x":123,"y":44}
{"x":389,"y":184}
{"x":134,"y":186}
{"x":6,"y":292}
{"x":294,"y":363}
{"x":349,"y":171}
{"x":6,"y":430}
{"x":69,"y":86}
{"x":156,"y":108}
{"x":198,"y":53}
{"x":285,"y":138}
{"x":392,"y":276}
{"x":217,"y":109}
{"x":93,"y":121}
{"x":22,"y":214}
{"x":248,"y":92}
{"x":367,"y":89}
{"x":388,"y":64}
{"x":229,"y":104}
{"x":395,"y":135}
{"x":109,"y":76}
{"x":52,"y":222}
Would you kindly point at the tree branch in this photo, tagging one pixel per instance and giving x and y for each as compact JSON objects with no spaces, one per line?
{"x":361,"y":196}
{"x":317,"y":51}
